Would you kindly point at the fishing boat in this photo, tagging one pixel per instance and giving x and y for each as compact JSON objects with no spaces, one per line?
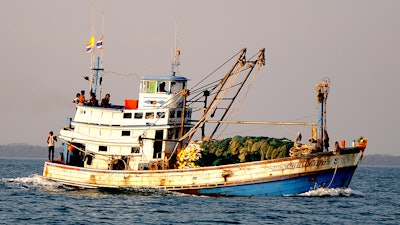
{"x":168,"y":139}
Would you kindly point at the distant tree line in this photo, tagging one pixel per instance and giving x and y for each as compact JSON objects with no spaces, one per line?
{"x":34,"y":151}
{"x":25,"y":151}
{"x":380,"y":160}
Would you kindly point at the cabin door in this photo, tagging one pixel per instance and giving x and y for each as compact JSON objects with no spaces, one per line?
{"x":158,"y":143}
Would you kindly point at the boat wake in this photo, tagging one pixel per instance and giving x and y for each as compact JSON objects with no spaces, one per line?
{"x":37,"y":182}
{"x":331,"y":192}
{"x":34,"y":181}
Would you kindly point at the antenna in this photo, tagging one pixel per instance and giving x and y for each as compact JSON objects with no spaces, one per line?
{"x":92,"y":46}
{"x":175,"y":55}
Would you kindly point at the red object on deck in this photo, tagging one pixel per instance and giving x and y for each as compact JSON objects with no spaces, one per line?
{"x":131,"y":103}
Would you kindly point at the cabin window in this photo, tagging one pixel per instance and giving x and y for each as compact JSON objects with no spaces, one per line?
{"x":139,"y":115}
{"x":127,"y":115}
{"x":162,"y":87}
{"x":126,"y":133}
{"x":102,"y":148}
{"x":149,"y":115}
{"x":160,"y":115}
{"x":135,"y":150}
{"x":149,"y":86}
{"x":179,"y":114}
{"x":176,"y":87}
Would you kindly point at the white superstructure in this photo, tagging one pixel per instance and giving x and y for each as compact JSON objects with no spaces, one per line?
{"x":134,"y":136}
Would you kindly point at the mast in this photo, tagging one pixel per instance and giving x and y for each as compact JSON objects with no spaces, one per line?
{"x":99,"y":46}
{"x":99,"y":65}
{"x":184,"y":94}
{"x":96,"y":70}
{"x":322,"y":95}
{"x":96,"y":62}
{"x":206,"y":93}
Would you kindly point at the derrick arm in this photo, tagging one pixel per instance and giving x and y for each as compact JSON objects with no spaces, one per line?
{"x":201,"y":121}
{"x":226,"y":83}
{"x":260,"y":61}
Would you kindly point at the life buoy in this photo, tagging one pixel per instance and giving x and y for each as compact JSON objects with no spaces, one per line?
{"x":362,"y":143}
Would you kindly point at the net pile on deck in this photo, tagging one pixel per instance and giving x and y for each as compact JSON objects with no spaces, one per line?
{"x":188,"y":157}
{"x":243,"y":149}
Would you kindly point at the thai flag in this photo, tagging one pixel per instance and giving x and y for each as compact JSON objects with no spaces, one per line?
{"x":99,"y":44}
{"x":89,"y":48}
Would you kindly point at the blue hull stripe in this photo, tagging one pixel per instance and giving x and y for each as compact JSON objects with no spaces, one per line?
{"x":290,"y":186}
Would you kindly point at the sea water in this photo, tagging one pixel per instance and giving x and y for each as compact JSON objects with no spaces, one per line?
{"x":26,"y":198}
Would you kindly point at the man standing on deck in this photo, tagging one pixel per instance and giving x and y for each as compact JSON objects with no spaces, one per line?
{"x":50,"y":142}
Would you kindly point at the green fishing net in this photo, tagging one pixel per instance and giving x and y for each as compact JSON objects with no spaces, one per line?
{"x":243,"y":149}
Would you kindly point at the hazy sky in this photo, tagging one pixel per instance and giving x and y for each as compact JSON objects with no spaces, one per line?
{"x":354,"y":43}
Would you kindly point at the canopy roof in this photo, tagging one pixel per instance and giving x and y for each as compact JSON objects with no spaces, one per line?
{"x":165,"y":78}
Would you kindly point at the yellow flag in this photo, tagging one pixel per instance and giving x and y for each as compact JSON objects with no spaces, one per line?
{"x":90,"y":45}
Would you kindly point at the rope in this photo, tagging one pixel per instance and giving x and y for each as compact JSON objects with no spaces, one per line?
{"x":224,"y":91}
{"x":237,"y":105}
{"x":249,"y":65}
{"x":334,"y":173}
{"x":300,"y":149}
{"x":201,"y":81}
{"x":120,"y":74}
